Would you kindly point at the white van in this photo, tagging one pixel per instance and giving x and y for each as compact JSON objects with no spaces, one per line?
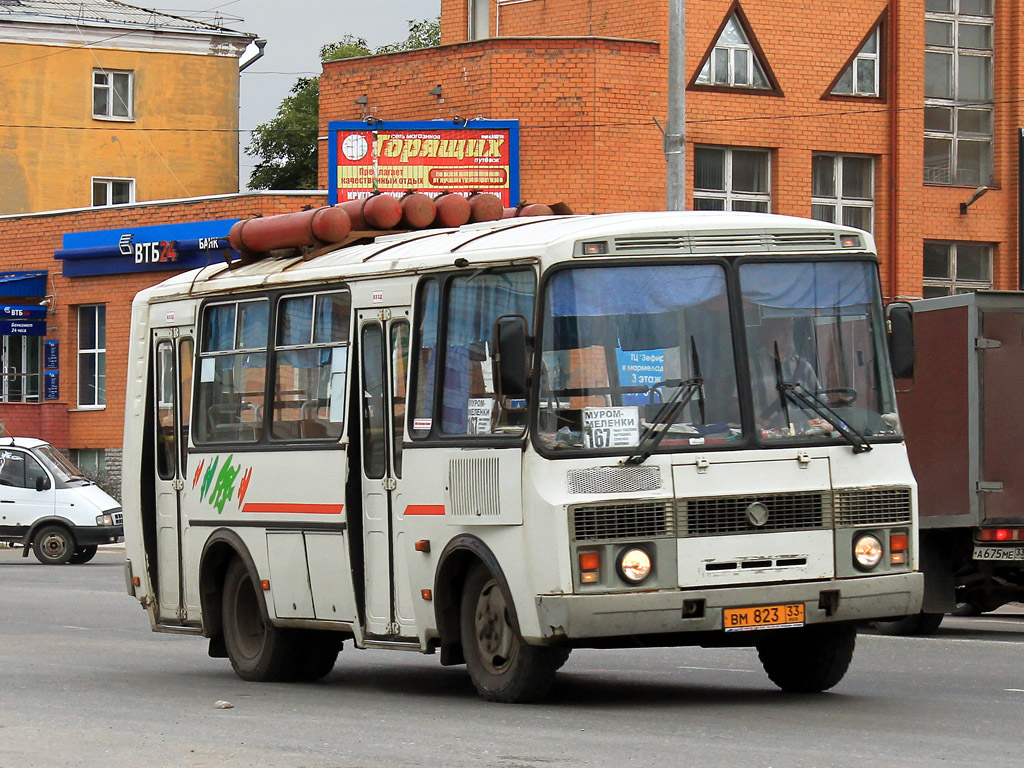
{"x":46,"y":503}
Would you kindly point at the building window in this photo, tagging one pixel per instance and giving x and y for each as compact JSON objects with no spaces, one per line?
{"x":92,"y":461}
{"x":112,"y":94}
{"x":92,"y":356}
{"x":733,"y":61}
{"x":843,"y":190}
{"x":112,"y":191}
{"x":479,"y":19}
{"x":958,"y":87}
{"x":731,"y":179}
{"x":861,"y":77}
{"x":953,"y":268}
{"x":21,"y":364}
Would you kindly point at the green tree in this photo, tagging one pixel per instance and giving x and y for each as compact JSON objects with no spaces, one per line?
{"x":286,"y":146}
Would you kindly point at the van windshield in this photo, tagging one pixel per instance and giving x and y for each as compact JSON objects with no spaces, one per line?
{"x":58,"y":463}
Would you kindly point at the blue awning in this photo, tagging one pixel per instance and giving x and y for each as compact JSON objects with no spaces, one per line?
{"x":23,"y":284}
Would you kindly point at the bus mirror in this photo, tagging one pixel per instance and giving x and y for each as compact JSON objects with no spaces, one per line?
{"x":901,"y":339}
{"x":42,"y":482}
{"x":510,"y":361}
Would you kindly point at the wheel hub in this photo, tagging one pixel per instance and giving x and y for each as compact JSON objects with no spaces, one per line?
{"x":494,"y":632}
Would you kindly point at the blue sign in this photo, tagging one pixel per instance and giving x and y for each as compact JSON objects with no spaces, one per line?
{"x":146,"y":249}
{"x":22,"y":327}
{"x":51,"y":353}
{"x":52,"y":385}
{"x":640,"y":368}
{"x":17,"y":312}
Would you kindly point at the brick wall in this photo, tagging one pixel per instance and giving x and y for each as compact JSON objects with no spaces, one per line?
{"x":28,"y":242}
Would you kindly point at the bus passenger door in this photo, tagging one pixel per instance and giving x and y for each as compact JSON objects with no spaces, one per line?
{"x":172,"y":366}
{"x":384,"y":354}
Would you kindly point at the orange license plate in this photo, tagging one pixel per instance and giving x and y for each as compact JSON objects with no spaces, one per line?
{"x":763,"y":617}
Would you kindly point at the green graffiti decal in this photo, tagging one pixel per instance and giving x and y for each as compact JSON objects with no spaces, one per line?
{"x":208,"y":478}
{"x":224,"y":488}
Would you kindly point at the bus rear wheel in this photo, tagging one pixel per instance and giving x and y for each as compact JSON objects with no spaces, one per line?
{"x":911,"y":626}
{"x":810,"y":659}
{"x":501,"y":665}
{"x":258,"y":652}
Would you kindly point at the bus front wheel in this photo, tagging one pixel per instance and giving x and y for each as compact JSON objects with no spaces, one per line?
{"x":502,"y":666}
{"x":258,"y":652}
{"x":809,"y":659}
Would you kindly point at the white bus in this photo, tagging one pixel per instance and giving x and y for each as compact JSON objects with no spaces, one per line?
{"x":512,"y":439}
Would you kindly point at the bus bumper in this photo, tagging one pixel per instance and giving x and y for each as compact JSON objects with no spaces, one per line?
{"x":650,"y":613}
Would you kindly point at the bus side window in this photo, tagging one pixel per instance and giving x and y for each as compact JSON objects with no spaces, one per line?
{"x":311,"y":367}
{"x":232,"y":372}
{"x":475,"y":301}
{"x":426,"y":358}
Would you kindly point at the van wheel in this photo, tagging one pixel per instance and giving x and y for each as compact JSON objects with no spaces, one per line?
{"x":53,"y":545}
{"x":258,"y":652}
{"x":501,"y":666}
{"x":83,"y":554}
{"x":810,"y":659}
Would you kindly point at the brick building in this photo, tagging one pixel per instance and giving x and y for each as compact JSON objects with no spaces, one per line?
{"x":886,"y":115}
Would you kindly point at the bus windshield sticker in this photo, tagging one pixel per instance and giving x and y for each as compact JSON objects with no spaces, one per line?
{"x":611,"y":427}
{"x":422,"y":424}
{"x":339,"y":367}
{"x":208,"y":371}
{"x":481,"y":412}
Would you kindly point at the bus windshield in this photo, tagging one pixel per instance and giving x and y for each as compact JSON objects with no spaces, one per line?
{"x":631,"y":352}
{"x":817,"y":363}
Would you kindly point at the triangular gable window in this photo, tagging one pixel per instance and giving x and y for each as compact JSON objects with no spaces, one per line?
{"x":735,"y":60}
{"x":862,"y":73}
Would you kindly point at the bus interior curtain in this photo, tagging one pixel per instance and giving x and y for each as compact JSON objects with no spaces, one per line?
{"x":808,"y":285}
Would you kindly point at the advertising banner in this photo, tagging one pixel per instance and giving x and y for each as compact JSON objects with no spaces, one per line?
{"x":425,"y":156}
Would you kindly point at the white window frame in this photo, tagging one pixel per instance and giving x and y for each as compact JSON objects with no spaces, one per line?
{"x":954,"y":284}
{"x":955,"y":104}
{"x":110,"y":74}
{"x":709,"y":72}
{"x":837,"y":201}
{"x":108,"y":182}
{"x":863,"y":58}
{"x":729,"y":196}
{"x":99,"y":352}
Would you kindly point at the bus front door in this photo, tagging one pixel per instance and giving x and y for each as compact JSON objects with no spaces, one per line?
{"x":384,"y":355}
{"x":172,"y":378}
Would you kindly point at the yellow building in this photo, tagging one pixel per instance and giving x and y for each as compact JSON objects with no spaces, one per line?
{"x":104,"y":103}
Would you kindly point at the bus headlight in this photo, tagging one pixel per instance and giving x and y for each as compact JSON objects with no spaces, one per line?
{"x":104,"y":520}
{"x":634,"y":565}
{"x":867,"y":551}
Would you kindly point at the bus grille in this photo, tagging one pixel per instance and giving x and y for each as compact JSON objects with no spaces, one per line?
{"x":632,"y":520}
{"x":873,"y":506}
{"x":614,"y":479}
{"x":733,"y":514}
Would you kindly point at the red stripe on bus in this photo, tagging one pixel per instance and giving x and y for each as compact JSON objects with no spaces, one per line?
{"x":294,"y":509}
{"x":425,"y":509}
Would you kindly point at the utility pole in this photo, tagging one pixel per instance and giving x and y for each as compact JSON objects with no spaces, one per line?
{"x":675,"y":129}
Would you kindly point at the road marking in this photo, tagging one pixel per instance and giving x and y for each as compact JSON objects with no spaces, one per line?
{"x":1014,"y":690}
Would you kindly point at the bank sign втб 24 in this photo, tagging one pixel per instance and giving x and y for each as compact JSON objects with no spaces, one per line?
{"x":431,"y":157}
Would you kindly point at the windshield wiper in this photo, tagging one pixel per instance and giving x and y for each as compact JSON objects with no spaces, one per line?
{"x":685,"y":390}
{"x":799,"y":395}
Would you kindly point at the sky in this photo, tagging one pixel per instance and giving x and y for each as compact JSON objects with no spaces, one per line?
{"x":295,"y":30}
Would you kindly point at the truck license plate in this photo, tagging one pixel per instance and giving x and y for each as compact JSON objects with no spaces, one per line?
{"x":999,"y":553}
{"x":763,"y":617}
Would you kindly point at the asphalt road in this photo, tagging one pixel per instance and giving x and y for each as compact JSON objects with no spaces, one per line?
{"x":83,"y":682}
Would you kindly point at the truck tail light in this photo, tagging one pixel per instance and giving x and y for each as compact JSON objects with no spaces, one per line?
{"x":1001,"y":534}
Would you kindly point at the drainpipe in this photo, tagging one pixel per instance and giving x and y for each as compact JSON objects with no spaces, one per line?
{"x":894,"y":182}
